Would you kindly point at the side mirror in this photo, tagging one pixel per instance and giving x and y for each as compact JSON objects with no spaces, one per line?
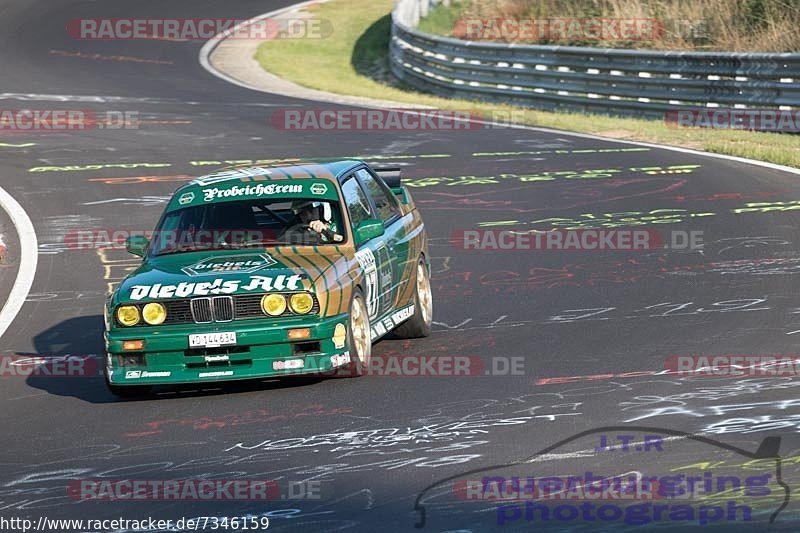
{"x":137,"y":245}
{"x":368,"y":230}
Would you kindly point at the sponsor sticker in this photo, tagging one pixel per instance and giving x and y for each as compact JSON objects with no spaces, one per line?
{"x":216,"y":193}
{"x":291,"y":364}
{"x":217,"y":374}
{"x":403,"y":314}
{"x":339,"y":336}
{"x":138,"y":374}
{"x":189,"y":289}
{"x":389,"y":323}
{"x":319,"y":188}
{"x":239,"y":264}
{"x":340,"y":359}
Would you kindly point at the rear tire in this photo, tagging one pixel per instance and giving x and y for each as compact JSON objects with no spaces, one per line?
{"x":359,"y":339}
{"x":419,"y":325}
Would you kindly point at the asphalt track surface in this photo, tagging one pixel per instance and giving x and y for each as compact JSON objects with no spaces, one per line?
{"x":377,"y":443}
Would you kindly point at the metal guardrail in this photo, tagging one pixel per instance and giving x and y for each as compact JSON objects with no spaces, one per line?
{"x":606,"y":80}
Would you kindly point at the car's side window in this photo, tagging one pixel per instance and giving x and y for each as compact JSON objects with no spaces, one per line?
{"x":356,"y":200}
{"x":385,"y":202}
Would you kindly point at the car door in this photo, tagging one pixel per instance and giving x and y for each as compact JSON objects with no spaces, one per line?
{"x":373,"y":255}
{"x":398,"y":246}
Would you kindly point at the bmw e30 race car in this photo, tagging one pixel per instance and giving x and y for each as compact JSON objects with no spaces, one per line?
{"x":265,"y":272}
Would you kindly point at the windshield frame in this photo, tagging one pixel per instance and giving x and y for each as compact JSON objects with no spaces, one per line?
{"x":338,"y":215}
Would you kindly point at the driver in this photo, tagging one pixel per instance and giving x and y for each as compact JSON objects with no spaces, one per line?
{"x":315,"y":219}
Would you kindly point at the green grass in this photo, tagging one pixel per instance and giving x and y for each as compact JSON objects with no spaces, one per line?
{"x":730,"y":25}
{"x":353,"y":60}
{"x":442,"y":20}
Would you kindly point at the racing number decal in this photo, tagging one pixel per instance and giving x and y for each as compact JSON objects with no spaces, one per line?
{"x":378,"y":278}
{"x":367,"y":261}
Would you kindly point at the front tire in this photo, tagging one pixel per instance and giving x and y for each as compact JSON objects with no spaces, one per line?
{"x":419,"y":325}
{"x":359,"y":338}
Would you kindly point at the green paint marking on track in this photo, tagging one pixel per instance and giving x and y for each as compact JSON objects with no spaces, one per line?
{"x":80,"y":168}
{"x":20,"y":145}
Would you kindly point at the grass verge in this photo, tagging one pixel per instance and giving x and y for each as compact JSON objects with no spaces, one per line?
{"x":728,"y":25}
{"x":353,"y":61}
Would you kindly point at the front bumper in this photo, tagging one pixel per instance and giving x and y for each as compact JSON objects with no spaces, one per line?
{"x":262,"y":350}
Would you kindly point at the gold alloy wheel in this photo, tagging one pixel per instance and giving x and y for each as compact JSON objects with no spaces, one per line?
{"x":359,"y":328}
{"x":424,"y":293}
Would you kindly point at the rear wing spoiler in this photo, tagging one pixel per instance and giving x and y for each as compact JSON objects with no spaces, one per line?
{"x":391,"y":177}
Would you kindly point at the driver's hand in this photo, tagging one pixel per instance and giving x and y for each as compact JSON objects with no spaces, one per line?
{"x":318,"y":226}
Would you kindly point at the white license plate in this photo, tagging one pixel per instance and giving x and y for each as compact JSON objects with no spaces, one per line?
{"x":212,"y":340}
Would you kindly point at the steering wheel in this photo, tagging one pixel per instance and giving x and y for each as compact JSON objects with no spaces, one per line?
{"x":302,"y":232}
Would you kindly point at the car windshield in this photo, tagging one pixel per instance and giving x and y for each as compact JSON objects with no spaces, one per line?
{"x":249,"y":224}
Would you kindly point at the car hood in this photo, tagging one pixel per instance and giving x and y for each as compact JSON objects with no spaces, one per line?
{"x":220,"y":273}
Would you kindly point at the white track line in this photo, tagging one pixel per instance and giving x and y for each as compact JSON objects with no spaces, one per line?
{"x":29,"y":258}
{"x":208,"y":49}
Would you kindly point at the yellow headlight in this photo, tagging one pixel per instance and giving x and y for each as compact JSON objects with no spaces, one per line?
{"x":154,"y":314}
{"x":301,"y":303}
{"x":273,"y":304}
{"x":128,"y":315}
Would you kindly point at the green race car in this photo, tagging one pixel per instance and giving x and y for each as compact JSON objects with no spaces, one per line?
{"x":265,"y":272}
